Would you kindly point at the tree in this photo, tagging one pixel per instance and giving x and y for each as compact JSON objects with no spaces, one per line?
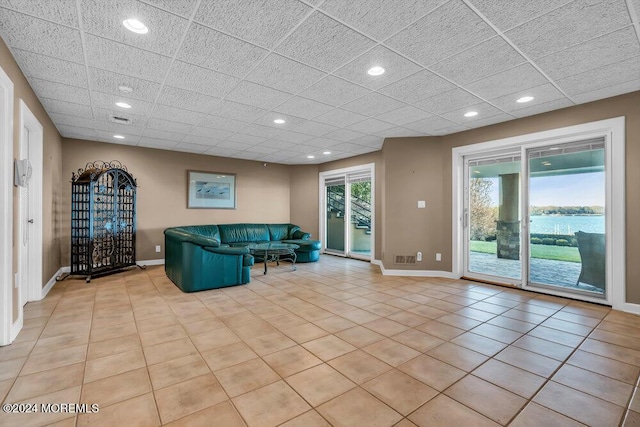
{"x":483,"y":216}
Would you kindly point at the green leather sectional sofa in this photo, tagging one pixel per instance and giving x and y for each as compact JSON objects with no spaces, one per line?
{"x":200,"y":257}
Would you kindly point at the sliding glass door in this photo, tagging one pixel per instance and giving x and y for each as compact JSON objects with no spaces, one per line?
{"x":347,"y":222}
{"x":538,"y":223}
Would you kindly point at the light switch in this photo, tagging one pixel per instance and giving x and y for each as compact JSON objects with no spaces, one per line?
{"x":422,"y":204}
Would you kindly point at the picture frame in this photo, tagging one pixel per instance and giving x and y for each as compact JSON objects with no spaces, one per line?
{"x":211,"y":190}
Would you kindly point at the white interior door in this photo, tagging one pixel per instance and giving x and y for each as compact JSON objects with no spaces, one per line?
{"x":25,"y":216}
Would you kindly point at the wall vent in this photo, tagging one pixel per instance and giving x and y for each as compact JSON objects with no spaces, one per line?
{"x":411,"y":259}
{"x":120,"y":120}
{"x":400,"y":259}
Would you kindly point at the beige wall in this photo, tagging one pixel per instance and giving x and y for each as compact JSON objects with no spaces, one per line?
{"x":52,"y":178}
{"x":262,"y":193}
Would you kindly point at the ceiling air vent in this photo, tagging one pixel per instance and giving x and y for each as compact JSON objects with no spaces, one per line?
{"x":120,"y":120}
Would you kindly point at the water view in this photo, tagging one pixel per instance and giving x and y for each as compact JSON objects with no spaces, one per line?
{"x":566,"y":224}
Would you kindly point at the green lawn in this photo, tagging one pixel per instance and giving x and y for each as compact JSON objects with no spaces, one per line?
{"x":558,"y":253}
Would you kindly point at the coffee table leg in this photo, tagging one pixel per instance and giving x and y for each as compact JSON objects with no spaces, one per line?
{"x":265,"y":262}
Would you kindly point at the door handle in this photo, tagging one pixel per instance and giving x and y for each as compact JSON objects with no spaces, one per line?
{"x":30,"y":221}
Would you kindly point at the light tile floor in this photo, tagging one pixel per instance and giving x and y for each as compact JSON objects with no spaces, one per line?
{"x":333,"y":343}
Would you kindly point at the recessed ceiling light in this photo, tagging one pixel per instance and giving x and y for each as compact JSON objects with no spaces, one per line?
{"x":311,"y":157}
{"x":375,"y":71}
{"x":118,"y":136}
{"x":471,"y":114}
{"x":525,"y":99}
{"x":278,"y":121}
{"x":123,"y":105}
{"x":326,"y":153}
{"x":125,"y":89}
{"x":135,"y":26}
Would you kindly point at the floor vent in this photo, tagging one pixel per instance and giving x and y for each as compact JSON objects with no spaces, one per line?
{"x":400,"y":259}
{"x":411,"y":259}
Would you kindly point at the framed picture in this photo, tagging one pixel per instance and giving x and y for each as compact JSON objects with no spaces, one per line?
{"x":211,"y":190}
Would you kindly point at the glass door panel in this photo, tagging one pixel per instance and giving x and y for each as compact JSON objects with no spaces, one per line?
{"x":336,"y":211}
{"x":492,"y":218}
{"x":360,"y":216}
{"x":566,"y":208}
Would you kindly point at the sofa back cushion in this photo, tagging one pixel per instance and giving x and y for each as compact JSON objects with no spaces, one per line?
{"x":234,"y":233}
{"x":278,"y":231}
{"x":209,"y":231}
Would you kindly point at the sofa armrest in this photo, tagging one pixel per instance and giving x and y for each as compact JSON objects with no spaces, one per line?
{"x":299,"y":234}
{"x":196,"y":239}
{"x":227,"y":250}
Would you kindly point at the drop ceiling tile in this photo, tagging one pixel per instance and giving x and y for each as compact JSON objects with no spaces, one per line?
{"x":370,"y":126}
{"x":168,"y":125}
{"x":123,"y":59}
{"x":302,"y":107}
{"x":447,"y":101}
{"x":162,"y":144}
{"x":24,"y":32}
{"x":284,"y":74}
{"x":344,"y":135}
{"x":238,"y":111}
{"x":334,"y":91}
{"x":176,"y":114}
{"x":542,"y":94}
{"x":312,"y":128}
{"x":487,"y":58}
{"x":216,"y":51}
{"x":104,"y":19}
{"x":593,"y":54}
{"x":510,"y":81}
{"x":59,"y":11}
{"x":277,"y":144}
{"x":236,"y":145}
{"x":607,"y":92}
{"x":107,"y":137}
{"x":396,"y":68}
{"x":543,"y":108}
{"x":339,"y":117}
{"x":108,"y":101}
{"x":417,"y":87}
{"x":322,"y":143}
{"x":261,"y":131}
{"x":59,"y":91}
{"x":296,"y":137}
{"x":201,"y":140}
{"x":187,"y":100}
{"x":262,"y":149}
{"x":197,"y":79}
{"x":373,"y":104}
{"x":222,"y":123}
{"x":442,"y":33}
{"x":188,"y":147}
{"x":52,"y":69}
{"x":324,"y":43}
{"x":108,"y":82}
{"x":162,"y":134}
{"x":369,"y":141}
{"x":220,"y":151}
{"x":505,"y":15}
{"x":76,"y":132}
{"x":429,"y":125}
{"x":289,"y":120}
{"x":397,"y":132}
{"x":104,"y":115}
{"x":568,"y":25}
{"x":353,"y":148}
{"x":600,"y":78}
{"x":248,"y":155}
{"x":245,"y":139}
{"x":101,"y":123}
{"x":63,"y":107}
{"x":379,"y":18}
{"x":402,"y":115}
{"x":208,"y":133}
{"x":257,"y":21}
{"x":66,"y":120}
{"x":449,"y":130}
{"x":484,"y":110}
{"x":257,"y":95}
{"x":486,"y":121}
{"x":183,"y":7}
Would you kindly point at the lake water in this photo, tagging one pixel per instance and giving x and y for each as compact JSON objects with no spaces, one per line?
{"x":560,"y":224}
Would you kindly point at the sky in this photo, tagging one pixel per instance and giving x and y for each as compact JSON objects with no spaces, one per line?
{"x":586,"y":189}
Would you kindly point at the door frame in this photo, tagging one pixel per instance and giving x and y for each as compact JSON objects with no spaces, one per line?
{"x":323,"y":212}
{"x":33,"y":288}
{"x":613,"y":130}
{"x":6,"y":212}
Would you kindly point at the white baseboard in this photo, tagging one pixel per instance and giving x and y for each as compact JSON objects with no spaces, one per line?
{"x":151,"y":262}
{"x":629,"y":308}
{"x":49,"y":285}
{"x":414,"y":273}
{"x":16,"y":328}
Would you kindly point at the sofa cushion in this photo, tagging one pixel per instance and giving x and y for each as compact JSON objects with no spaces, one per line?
{"x":305,"y":245}
{"x":233,"y":233}
{"x":278,"y":231}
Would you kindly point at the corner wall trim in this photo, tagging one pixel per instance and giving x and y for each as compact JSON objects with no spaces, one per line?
{"x":414,"y":273}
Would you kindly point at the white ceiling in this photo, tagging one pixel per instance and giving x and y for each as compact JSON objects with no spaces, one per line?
{"x":210,"y":76}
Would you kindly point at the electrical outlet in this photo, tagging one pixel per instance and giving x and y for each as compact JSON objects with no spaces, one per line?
{"x":419,"y":256}
{"x":157,"y":248}
{"x":438,"y":257}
